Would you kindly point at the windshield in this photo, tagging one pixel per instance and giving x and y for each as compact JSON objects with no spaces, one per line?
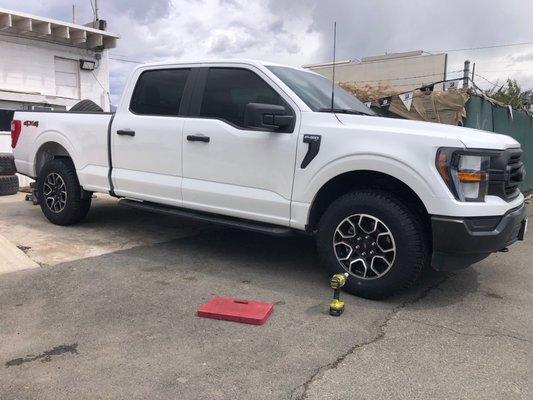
{"x":315,"y":91}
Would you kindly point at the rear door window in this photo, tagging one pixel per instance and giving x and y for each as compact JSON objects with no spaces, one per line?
{"x":159,"y":92}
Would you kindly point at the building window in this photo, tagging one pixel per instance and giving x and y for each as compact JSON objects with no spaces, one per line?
{"x":67,"y":75}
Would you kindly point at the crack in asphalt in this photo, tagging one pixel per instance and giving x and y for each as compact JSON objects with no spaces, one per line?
{"x":45,"y":356}
{"x":492,"y":334}
{"x":26,"y":250}
{"x":300,"y":392}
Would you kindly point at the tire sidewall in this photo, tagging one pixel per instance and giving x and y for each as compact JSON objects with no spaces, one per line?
{"x":71,"y":213}
{"x":407,"y":234}
{"x":9,"y":185}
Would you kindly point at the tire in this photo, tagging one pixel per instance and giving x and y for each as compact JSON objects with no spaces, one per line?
{"x":9,"y":185}
{"x":60,"y":193}
{"x":86,"y":105}
{"x":7,"y":164}
{"x":397,"y":227}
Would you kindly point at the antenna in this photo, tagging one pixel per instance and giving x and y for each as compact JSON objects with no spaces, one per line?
{"x":333,"y":72}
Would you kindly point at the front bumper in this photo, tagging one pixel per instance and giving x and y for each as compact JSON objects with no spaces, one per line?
{"x":460,"y":242}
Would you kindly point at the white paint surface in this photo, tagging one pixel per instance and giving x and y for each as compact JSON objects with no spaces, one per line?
{"x":28,"y":74}
{"x":402,"y":73}
{"x":253,"y":174}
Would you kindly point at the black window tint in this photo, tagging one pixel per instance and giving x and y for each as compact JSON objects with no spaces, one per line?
{"x":159,"y":92}
{"x":229,"y":90}
{"x":5,"y":120}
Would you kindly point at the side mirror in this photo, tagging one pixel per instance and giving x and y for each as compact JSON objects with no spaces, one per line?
{"x":271,"y":117}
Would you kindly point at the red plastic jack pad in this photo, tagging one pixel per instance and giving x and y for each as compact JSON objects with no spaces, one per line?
{"x":236,"y":310}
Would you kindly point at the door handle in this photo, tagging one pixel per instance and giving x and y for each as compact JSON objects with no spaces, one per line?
{"x":126,"y":132}
{"x":198,"y":138}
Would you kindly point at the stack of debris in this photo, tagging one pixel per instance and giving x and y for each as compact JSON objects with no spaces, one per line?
{"x":424,"y":104}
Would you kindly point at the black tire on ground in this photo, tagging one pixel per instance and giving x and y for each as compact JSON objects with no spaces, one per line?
{"x":58,"y":183}
{"x":9,"y":184}
{"x":86,"y":105}
{"x":409,"y":240}
{"x":7,"y":164}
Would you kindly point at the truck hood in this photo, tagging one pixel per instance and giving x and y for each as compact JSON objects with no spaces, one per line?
{"x":471,"y":138}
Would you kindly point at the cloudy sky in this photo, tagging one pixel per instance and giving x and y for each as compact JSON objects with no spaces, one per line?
{"x":297,"y":32}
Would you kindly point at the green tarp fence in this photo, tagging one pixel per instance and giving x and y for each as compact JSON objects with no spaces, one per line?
{"x":482,"y":114}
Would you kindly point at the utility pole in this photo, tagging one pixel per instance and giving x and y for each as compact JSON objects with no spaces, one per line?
{"x":73,"y":14}
{"x":466,"y":74}
{"x":96,"y":10}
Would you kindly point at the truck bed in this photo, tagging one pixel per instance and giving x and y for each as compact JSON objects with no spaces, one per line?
{"x":83,"y":135}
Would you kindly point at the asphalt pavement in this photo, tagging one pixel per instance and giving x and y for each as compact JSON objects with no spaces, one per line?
{"x":110,"y":314}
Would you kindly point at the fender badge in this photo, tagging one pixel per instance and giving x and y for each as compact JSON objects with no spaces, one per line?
{"x":31,"y":123}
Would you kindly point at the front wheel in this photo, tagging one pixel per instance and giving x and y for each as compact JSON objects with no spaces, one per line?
{"x":60,"y":194}
{"x":376,"y":239}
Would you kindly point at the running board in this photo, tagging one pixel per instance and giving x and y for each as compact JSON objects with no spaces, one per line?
{"x":231,"y":222}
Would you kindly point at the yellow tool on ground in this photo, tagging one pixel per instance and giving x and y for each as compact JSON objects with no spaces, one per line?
{"x":336,"y":306}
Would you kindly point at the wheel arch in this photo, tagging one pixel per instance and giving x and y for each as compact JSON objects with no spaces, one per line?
{"x":48,"y":151}
{"x":364,"y":179}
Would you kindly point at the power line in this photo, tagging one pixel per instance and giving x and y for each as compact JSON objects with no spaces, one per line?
{"x":125,"y":60}
{"x":508,"y":70}
{"x":94,"y":11}
{"x":123,"y":55}
{"x":485,"y":79}
{"x":410,"y":77}
{"x":365,"y":81}
{"x":483,"y":47}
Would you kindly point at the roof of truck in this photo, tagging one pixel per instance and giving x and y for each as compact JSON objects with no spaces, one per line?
{"x":221,"y":61}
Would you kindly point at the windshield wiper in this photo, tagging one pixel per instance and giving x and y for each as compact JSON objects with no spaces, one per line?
{"x":342,"y":111}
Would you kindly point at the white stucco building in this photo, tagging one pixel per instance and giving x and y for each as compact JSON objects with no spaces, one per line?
{"x":405,"y":71}
{"x":50,"y":64}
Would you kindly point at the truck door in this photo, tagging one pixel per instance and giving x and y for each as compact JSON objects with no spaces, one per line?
{"x":228,"y":168}
{"x":146,"y":137}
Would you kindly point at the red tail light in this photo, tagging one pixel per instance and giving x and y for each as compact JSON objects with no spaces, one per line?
{"x":16,"y":127}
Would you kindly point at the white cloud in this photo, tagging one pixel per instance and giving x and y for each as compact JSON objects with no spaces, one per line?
{"x":212,"y":29}
{"x":299,"y":31}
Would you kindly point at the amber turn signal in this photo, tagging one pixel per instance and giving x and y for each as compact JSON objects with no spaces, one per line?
{"x":442,"y":166}
{"x":471,"y":176}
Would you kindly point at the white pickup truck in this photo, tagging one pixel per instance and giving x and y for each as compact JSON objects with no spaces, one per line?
{"x":261,"y":146}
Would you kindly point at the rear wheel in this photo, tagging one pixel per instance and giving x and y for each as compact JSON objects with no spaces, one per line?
{"x":376,"y":239}
{"x":60,"y":194}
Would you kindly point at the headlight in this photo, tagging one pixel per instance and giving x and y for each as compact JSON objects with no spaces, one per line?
{"x":466,"y":172}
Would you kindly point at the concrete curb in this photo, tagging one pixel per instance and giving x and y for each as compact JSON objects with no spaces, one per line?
{"x":12,"y":258}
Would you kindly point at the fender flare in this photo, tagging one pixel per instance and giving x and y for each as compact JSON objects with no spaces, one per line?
{"x":52,"y":136}
{"x":422,"y":186}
